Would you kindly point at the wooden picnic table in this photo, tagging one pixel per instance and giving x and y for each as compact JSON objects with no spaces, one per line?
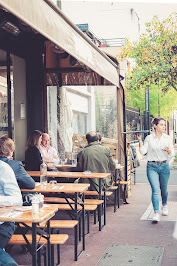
{"x":100,"y":176}
{"x":76,"y":189}
{"x":20,"y":215}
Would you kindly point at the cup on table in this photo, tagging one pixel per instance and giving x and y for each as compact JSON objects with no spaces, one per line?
{"x":35,"y":204}
{"x":53,"y":183}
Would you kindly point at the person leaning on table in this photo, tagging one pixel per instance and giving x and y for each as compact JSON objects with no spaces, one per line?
{"x":10,"y":195}
{"x":159,"y":149}
{"x":7,"y":148}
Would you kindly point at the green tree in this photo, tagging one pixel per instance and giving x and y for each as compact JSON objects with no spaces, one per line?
{"x":158,"y":100}
{"x":155,"y":56}
{"x":155,"y":53}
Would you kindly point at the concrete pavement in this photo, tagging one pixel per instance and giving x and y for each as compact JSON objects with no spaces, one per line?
{"x":125,"y":227}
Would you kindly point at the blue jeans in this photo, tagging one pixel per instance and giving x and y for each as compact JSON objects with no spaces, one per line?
{"x":158,"y":176}
{"x":6,"y":231}
{"x":6,"y":259}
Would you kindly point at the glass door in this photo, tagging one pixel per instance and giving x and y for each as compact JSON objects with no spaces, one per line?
{"x":6,"y":95}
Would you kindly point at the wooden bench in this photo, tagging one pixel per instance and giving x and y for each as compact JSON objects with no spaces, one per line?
{"x":60,"y":224}
{"x":67,"y":207}
{"x":95,"y":193}
{"x":63,"y":200}
{"x":88,"y":207}
{"x":119,"y":183}
{"x":55,"y":239}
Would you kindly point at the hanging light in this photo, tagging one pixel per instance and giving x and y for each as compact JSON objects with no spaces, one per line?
{"x":10,"y":27}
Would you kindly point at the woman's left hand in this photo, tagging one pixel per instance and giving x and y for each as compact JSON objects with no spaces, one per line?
{"x":167,"y":149}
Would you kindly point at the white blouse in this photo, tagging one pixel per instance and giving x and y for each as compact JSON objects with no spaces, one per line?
{"x":153,"y":147}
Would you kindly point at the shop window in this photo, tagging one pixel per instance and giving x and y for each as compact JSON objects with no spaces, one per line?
{"x":6,"y":95}
{"x":79,"y":123}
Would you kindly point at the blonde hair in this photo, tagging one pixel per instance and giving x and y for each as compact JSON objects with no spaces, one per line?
{"x":6,"y":146}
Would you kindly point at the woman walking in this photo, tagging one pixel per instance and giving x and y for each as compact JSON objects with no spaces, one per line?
{"x":159,"y":149}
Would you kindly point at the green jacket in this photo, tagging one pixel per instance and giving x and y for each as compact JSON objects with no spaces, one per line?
{"x":97,"y":159}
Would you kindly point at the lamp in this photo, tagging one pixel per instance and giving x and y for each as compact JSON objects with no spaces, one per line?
{"x":10,"y":27}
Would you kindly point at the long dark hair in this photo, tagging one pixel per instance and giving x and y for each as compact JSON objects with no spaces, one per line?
{"x":33,"y":138}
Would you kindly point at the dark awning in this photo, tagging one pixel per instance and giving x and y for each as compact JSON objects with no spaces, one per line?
{"x":44,"y":17}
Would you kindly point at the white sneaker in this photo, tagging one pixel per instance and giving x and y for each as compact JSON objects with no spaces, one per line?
{"x":164,"y":210}
{"x":156,"y":217}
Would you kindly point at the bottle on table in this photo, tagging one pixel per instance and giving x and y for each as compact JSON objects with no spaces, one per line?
{"x":43,"y":174}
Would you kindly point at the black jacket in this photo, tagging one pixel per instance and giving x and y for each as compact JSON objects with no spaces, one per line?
{"x":33,"y":159}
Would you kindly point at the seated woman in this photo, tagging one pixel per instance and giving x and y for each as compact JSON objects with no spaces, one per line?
{"x":33,"y":158}
{"x":7,"y":148}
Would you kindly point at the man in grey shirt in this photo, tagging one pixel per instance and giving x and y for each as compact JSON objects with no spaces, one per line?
{"x":95,"y":158}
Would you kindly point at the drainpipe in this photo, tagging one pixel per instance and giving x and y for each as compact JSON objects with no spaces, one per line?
{"x":124,"y":129}
{"x":9,"y":96}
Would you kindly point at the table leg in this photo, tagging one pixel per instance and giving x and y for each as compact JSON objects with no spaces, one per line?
{"x":76,"y":229}
{"x":83,"y":220}
{"x":48,"y":243}
{"x":99,"y":206}
{"x":34,"y":245}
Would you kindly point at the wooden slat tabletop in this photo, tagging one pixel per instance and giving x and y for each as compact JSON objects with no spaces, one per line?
{"x":70,"y":174}
{"x":59,"y":188}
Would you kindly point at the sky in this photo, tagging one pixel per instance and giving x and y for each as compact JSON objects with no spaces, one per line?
{"x":111,"y":19}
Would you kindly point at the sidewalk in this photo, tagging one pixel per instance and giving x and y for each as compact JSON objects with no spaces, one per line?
{"x":130,"y":225}
{"x":123,"y":228}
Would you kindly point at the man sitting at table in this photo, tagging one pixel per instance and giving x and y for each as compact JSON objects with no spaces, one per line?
{"x":7,"y":148}
{"x":49,"y":154}
{"x":10,"y":195}
{"x":95,"y":158}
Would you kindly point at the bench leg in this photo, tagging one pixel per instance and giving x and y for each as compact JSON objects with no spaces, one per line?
{"x":104,"y":210}
{"x":115,"y":200}
{"x":39,"y":257}
{"x":76,"y":242}
{"x":88,"y":222}
{"x":118,"y":202}
{"x":45,"y":256}
{"x":95,"y":211}
{"x":58,"y":254}
{"x":79,"y":229}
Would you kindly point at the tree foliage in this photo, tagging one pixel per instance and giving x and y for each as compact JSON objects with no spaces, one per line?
{"x":155,"y":53}
{"x":159,"y":101}
{"x":155,"y":56}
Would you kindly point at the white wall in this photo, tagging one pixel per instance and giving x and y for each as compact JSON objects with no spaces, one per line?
{"x":52,"y":114}
{"x":20,"y":130}
{"x":82,"y":100}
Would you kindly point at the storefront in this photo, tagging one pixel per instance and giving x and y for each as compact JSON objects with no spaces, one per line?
{"x":37,"y":53}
